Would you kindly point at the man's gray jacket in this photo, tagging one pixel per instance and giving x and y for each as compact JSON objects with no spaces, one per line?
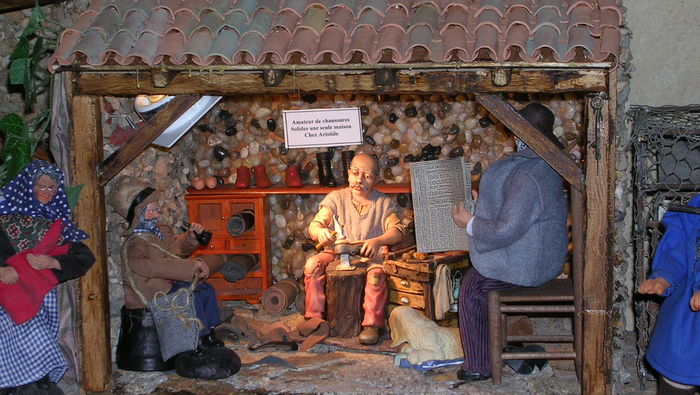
{"x":519,"y":227}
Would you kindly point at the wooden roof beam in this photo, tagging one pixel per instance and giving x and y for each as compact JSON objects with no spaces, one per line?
{"x":429,"y":81}
{"x":149,"y":132}
{"x":556,"y":158}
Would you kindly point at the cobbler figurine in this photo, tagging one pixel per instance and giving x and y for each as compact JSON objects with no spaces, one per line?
{"x":365,"y":214}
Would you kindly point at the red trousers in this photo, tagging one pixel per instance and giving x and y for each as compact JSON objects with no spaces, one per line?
{"x":315,"y":281}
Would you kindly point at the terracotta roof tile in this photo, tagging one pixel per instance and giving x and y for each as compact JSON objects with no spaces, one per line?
{"x":261,"y":22}
{"x":396,"y":16}
{"x":225,"y":44}
{"x":298,"y":6}
{"x":205,"y":32}
{"x":107,"y":21}
{"x":342,"y":18}
{"x":221,"y":6}
{"x":237,"y":21}
{"x":186,"y":22}
{"x":425,"y":14}
{"x":133,"y":24}
{"x":332,"y":42}
{"x":363,"y":41}
{"x":170,"y":46}
{"x":211,"y":20}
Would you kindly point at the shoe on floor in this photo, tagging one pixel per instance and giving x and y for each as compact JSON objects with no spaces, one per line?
{"x":471,"y":376}
{"x":209,"y":341}
{"x":369,"y":335}
{"x":526,"y":366}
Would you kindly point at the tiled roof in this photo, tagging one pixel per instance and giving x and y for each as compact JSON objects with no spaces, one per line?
{"x":230,"y":32}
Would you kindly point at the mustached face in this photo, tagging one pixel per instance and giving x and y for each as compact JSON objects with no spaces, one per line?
{"x":362,"y":174}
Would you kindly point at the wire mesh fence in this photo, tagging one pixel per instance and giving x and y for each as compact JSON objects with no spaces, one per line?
{"x":666,"y":149}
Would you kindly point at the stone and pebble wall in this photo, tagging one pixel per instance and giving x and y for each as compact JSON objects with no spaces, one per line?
{"x":398,"y":130}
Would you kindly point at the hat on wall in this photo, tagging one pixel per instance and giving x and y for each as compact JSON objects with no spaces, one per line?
{"x":542,"y":119}
{"x":129,"y":196}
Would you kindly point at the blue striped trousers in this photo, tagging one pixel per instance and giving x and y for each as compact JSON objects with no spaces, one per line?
{"x":474,"y":322}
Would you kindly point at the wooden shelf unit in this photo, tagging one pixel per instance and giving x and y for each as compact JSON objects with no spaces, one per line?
{"x":213,"y":207}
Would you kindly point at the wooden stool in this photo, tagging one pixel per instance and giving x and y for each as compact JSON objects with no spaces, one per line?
{"x":345,"y":291}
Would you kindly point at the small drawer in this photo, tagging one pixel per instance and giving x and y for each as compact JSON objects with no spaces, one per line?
{"x":407,"y":299}
{"x":216,"y":244}
{"x":405,"y":285}
{"x":249,"y":245}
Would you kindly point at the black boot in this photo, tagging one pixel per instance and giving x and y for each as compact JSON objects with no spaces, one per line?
{"x":138,"y":348}
{"x":346,"y":159}
{"x":666,"y":388}
{"x":209,"y":341}
{"x":325,"y":171}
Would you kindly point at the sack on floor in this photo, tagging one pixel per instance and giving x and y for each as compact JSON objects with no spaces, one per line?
{"x":176,"y":322}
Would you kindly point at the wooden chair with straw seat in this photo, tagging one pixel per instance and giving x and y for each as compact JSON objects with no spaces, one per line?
{"x":559,"y":297}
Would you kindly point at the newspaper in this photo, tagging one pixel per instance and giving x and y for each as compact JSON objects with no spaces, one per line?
{"x":438,"y":185}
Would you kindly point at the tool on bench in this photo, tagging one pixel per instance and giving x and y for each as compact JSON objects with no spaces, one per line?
{"x":342,"y":246}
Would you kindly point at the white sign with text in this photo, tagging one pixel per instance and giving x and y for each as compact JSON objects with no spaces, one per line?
{"x":322,"y":127}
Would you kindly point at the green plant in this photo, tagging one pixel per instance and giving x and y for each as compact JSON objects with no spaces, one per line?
{"x":36,"y":43}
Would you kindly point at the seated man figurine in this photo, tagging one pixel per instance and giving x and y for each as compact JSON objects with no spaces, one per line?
{"x":155,"y":259}
{"x":365,"y":215}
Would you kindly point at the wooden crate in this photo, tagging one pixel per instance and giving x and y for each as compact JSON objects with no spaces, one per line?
{"x":411,"y":282}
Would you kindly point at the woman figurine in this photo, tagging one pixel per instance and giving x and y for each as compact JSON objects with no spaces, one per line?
{"x":155,"y":260}
{"x":674,"y":351}
{"x":34,"y":201}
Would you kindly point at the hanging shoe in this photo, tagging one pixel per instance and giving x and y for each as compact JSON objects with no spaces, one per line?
{"x":242,"y":177}
{"x":261,"y":178}
{"x":325,"y":171}
{"x":293,"y":176}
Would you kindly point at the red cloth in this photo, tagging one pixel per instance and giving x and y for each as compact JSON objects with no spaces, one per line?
{"x":22,"y":300}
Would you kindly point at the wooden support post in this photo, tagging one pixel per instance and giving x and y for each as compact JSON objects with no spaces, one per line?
{"x":597,"y":272}
{"x":344,"y":295}
{"x":93,"y":314}
{"x":578,"y":230}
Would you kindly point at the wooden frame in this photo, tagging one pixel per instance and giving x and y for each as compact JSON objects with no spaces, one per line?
{"x":595,"y":182}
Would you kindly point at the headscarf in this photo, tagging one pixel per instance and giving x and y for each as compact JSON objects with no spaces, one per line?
{"x":147,"y":225}
{"x":20,"y":199}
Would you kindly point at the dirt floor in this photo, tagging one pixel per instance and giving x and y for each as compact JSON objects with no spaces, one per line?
{"x":331,"y":369}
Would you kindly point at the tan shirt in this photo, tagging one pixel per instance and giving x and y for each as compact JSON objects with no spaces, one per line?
{"x":381,"y":204}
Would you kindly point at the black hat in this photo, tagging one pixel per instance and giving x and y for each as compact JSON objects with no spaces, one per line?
{"x":542,"y":119}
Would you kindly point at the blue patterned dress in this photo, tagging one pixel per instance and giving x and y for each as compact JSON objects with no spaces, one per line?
{"x":29,"y":352}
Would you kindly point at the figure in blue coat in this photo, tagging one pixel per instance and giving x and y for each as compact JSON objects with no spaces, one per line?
{"x":674,"y":349}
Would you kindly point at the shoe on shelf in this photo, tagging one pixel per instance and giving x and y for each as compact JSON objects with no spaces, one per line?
{"x":242,"y":177}
{"x":471,"y":376}
{"x":369,"y":335}
{"x":293,"y":176}
{"x":261,"y":178}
